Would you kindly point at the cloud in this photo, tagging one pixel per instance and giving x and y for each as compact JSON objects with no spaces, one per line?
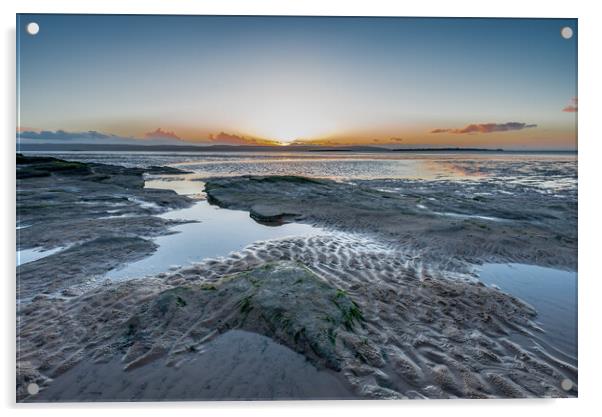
{"x":86,"y":137}
{"x":486,"y":128}
{"x":351,"y":141}
{"x":232,"y":139}
{"x":387,"y":141}
{"x":63,"y":135}
{"x":572,"y":107}
{"x":27,"y":129}
{"x":156,"y":137}
{"x":161,"y":134}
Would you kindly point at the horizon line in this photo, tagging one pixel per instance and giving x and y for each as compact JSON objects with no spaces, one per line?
{"x":297,"y":147}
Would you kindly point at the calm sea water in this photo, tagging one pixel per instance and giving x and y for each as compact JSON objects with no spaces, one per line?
{"x":544,"y":170}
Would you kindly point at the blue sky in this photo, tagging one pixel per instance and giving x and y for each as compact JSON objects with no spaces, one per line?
{"x":324,"y":80}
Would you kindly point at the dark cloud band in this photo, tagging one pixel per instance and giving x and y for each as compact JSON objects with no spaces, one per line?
{"x":64,"y":135}
{"x":486,"y":128}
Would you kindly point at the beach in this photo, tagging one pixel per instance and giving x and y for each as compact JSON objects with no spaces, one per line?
{"x":294,"y":276}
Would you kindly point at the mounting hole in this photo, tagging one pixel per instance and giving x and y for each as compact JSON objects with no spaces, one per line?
{"x":566,"y":384}
{"x":33,"y":388}
{"x":566,"y":32}
{"x":33,"y":28}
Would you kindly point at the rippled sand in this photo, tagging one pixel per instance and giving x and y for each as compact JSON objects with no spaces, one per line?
{"x":386,"y":302}
{"x":425,"y":334}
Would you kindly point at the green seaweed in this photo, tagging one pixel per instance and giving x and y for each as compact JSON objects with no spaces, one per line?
{"x":131,"y":330}
{"x":340,"y":293}
{"x":332,"y":336}
{"x":245,"y":305}
{"x":298,"y":334}
{"x":208,"y":287}
{"x":352,"y":315}
{"x":180,"y":302}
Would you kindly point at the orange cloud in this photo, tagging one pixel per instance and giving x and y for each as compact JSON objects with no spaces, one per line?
{"x":572,"y":107}
{"x":27,"y":129}
{"x":486,"y":128}
{"x":232,"y":139}
{"x":161,"y":134}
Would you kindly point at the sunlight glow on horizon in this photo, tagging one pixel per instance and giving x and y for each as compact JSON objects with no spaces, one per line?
{"x":270,"y":80}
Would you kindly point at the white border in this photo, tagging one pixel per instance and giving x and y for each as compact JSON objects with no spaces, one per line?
{"x":590,"y":154}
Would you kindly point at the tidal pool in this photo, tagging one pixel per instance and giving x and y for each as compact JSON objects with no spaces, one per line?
{"x":29,"y":255}
{"x":217,"y":232}
{"x":552,"y":292}
{"x":214,"y":232}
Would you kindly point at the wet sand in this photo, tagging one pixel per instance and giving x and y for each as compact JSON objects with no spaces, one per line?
{"x":237,"y":365}
{"x":386,"y":302}
{"x":446,"y":222}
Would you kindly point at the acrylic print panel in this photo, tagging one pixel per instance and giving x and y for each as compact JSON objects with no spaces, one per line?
{"x":267,"y":208}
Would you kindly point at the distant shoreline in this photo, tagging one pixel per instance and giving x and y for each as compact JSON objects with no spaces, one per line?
{"x":77,"y":147}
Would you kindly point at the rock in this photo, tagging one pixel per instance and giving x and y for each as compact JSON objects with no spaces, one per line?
{"x":497,"y":232}
{"x":269,"y":214}
{"x":281,"y":300}
{"x":101,"y":214}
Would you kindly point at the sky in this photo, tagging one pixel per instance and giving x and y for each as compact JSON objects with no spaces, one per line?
{"x":395,"y":82}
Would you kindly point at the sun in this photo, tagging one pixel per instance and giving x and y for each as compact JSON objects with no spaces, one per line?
{"x":288,"y":131}
{"x":288,"y":121}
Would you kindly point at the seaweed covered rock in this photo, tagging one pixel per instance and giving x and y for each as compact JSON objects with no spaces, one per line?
{"x":282,"y":300}
{"x":31,"y":166}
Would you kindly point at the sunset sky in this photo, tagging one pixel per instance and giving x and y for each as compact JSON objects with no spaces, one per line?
{"x":397,"y":82}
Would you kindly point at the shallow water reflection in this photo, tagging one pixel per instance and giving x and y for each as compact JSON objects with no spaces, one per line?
{"x":552,"y":292}
{"x":217,"y":233}
{"x":29,"y":255}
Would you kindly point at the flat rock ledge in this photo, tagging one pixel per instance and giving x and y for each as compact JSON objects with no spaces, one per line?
{"x":271,"y":215}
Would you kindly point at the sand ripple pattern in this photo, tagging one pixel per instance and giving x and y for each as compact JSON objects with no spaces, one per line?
{"x":429,"y":333}
{"x":426,"y":334}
